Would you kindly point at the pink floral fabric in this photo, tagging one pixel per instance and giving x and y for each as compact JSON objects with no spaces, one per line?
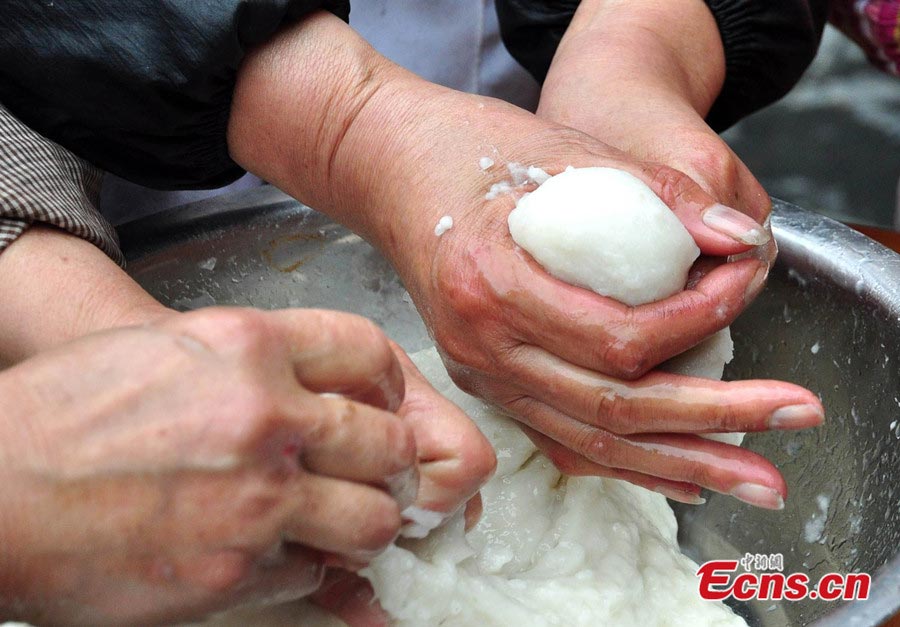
{"x":875,"y":26}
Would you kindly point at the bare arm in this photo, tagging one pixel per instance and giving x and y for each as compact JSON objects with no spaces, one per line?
{"x":642,"y":75}
{"x":320,"y":114}
{"x":388,"y":154}
{"x":55,"y":287}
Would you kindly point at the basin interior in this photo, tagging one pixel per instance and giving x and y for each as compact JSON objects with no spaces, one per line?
{"x":833,"y":332}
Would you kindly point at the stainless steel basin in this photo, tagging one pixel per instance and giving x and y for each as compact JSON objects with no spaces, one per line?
{"x":829,"y":320}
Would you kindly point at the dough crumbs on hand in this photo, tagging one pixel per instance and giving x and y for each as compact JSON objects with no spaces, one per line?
{"x":422,"y":522}
{"x":443,"y":225}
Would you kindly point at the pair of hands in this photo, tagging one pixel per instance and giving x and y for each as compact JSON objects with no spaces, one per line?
{"x":388,"y":155}
{"x":164,"y":471}
{"x":395,"y":153}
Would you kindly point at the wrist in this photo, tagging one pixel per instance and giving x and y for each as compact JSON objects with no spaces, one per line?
{"x":321,"y":115}
{"x":296,"y":99}
{"x":56,"y":287}
{"x":673,"y":48}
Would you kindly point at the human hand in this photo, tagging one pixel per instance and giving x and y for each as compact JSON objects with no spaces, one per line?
{"x":576,"y":367}
{"x":389,"y":155}
{"x":160,"y":473}
{"x":82,"y":291}
{"x":455,"y":459}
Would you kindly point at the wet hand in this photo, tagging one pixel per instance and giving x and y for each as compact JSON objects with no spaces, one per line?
{"x":160,"y":473}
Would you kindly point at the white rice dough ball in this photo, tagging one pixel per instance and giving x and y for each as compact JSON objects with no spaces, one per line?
{"x":605,"y":230}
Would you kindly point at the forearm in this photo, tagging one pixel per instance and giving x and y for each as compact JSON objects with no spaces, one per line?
{"x":327,"y":119}
{"x":295,"y":105}
{"x":55,"y":287}
{"x":639,"y":48}
{"x":642,"y":76}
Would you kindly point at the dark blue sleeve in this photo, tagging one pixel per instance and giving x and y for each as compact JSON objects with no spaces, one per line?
{"x":140,"y":88}
{"x":768,"y":45}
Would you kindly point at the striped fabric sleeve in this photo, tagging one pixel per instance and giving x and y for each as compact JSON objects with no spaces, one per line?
{"x":41,"y":182}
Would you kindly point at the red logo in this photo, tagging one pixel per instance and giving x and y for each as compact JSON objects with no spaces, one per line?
{"x":718,"y":582}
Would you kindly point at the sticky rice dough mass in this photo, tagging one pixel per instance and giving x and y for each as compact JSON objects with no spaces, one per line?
{"x":554,"y":550}
{"x":548,"y":549}
{"x":605,"y":230}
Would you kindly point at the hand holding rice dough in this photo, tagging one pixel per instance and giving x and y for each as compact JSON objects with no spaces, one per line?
{"x":550,"y":549}
{"x":605,"y":230}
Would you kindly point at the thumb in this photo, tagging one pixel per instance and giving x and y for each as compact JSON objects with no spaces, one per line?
{"x":718,"y":229}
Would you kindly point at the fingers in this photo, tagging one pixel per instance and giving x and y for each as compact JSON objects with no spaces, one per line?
{"x":601,"y":334}
{"x":350,"y":598}
{"x":662,"y":402}
{"x":290,"y":573}
{"x":342,"y":354}
{"x":572,"y":464}
{"x":680,"y":138}
{"x":681,"y":458}
{"x":353,"y":441}
{"x":329,"y":351}
{"x":347,"y":519}
{"x":455,"y":459}
{"x":671,"y":326}
{"x":718,"y":229}
{"x":715,"y":167}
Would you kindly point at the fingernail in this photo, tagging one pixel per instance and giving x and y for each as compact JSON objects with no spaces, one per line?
{"x":680,"y":496}
{"x":796,"y":417}
{"x":756,"y":284}
{"x":734,"y":224}
{"x":758,"y":495}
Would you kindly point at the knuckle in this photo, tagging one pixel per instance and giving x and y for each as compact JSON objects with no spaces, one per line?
{"x":371,"y":337}
{"x":477,"y":462}
{"x":626,"y":359}
{"x":466,"y":292}
{"x":329,"y":424}
{"x":482,"y":459}
{"x":669,"y":184}
{"x":612,"y":411}
{"x":241,"y":330}
{"x":729,"y":419}
{"x":402,"y":442}
{"x":698,"y":474}
{"x":712,"y":158}
{"x":594,"y":444}
{"x":259,"y":508}
{"x":632,"y":361}
{"x":470,"y":380}
{"x":248,"y":331}
{"x":255,"y":415}
{"x":224,"y":572}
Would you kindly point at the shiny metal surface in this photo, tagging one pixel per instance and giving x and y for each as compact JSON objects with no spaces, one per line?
{"x":829,"y":320}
